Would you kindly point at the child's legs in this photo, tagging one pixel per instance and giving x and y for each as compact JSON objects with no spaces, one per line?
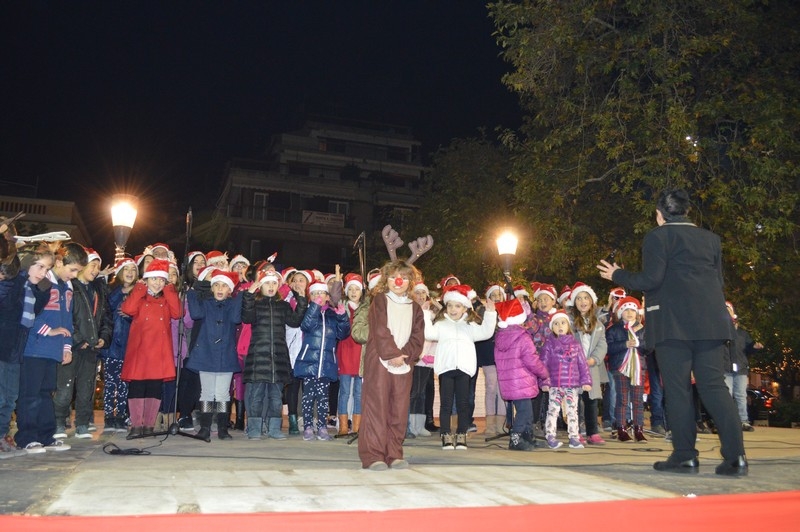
{"x":571,"y":397}
{"x":637,"y":398}
{"x":323,"y":403}
{"x":590,"y":413}
{"x":255,"y":399}
{"x":215,"y":387}
{"x":345,"y":383}
{"x":292,"y":395}
{"x":9,"y":391}
{"x":447,"y":384}
{"x":622,"y":385}
{"x":495,"y":406}
{"x":238,"y":384}
{"x":556,"y":395}
{"x":419,"y":382}
{"x":274,"y":399}
{"x":523,"y":416}
{"x":462,"y":389}
{"x":397,"y":416}
{"x":357,"y":394}
{"x":65,"y":388}
{"x":167,"y":397}
{"x":85,"y":362}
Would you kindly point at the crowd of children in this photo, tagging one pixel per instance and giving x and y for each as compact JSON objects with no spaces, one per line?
{"x":261,"y":338}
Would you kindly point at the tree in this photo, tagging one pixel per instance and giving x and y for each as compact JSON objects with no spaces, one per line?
{"x":468,"y":198}
{"x":624,"y":99}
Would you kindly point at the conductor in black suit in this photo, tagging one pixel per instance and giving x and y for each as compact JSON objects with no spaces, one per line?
{"x":688,"y":325}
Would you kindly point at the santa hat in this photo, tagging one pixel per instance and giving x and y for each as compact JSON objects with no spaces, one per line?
{"x":460,"y":293}
{"x":157,"y":268}
{"x":239,"y":258}
{"x":216,"y":258}
{"x":581,"y":287}
{"x":173,"y":264}
{"x":443,"y":282}
{"x":192,"y":254}
{"x":287,"y":272}
{"x":556,"y":315}
{"x":138,"y":259}
{"x":122,"y":263}
{"x":317,"y":286}
{"x":221,"y":276}
{"x":205,"y":272}
{"x":509,"y":313}
{"x":317,"y":276}
{"x":618,"y":292}
{"x":544,"y":288}
{"x":627,"y":303}
{"x":353,"y":279}
{"x":268,"y":275}
{"x":566,"y":292}
{"x":307,"y":274}
{"x":157,"y":245}
{"x":730,"y":309}
{"x":92,"y":255}
{"x":495,"y":288}
{"x":328,"y":277}
{"x":373,"y":277}
{"x":421,"y":287}
{"x":520,"y":291}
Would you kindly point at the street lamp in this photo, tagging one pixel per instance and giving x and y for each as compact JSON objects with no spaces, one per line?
{"x":507,"y":248}
{"x":123,"y":215}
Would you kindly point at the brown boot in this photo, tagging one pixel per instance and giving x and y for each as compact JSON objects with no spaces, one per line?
{"x":622,"y":434}
{"x":638,"y":433}
{"x":343,"y":425}
{"x":356,"y":423}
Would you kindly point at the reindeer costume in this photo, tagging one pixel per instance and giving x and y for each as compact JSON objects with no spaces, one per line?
{"x":396,"y":337}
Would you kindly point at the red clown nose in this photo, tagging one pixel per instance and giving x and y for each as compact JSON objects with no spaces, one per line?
{"x":398,"y":281}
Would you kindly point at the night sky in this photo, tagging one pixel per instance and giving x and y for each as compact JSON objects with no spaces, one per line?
{"x":158,"y":96}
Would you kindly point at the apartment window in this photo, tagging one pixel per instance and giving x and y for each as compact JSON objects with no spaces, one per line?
{"x":260,"y":203}
{"x":339,"y":207}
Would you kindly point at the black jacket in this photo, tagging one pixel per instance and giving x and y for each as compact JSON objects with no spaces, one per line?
{"x":13,"y":336}
{"x":91,"y":317}
{"x":267,"y":357}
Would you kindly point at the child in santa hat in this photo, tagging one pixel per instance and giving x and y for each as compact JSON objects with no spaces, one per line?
{"x":457,"y":327}
{"x":349,"y":359}
{"x":627,"y":363}
{"x":213,"y":353}
{"x":538,"y":326}
{"x":149,"y":353}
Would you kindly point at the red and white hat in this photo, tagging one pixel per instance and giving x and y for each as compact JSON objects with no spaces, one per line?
{"x":192,"y":254}
{"x":544,"y":288}
{"x":579,"y":287}
{"x":566,"y":292}
{"x":217,"y":258}
{"x":93,"y":255}
{"x":556,"y":315}
{"x":460,"y":293}
{"x":205,"y":273}
{"x":520,"y":291}
{"x":421,"y":287}
{"x":157,"y":245}
{"x":317,"y":286}
{"x":496,"y":288}
{"x":221,"y":276}
{"x":287,"y":272}
{"x":174,"y":265}
{"x":627,"y":303}
{"x":122,"y":263}
{"x":328,"y":277}
{"x":618,"y":292}
{"x":317,"y":276}
{"x":373,"y":277}
{"x":239,"y":259}
{"x":268,"y":275}
{"x":138,"y":259}
{"x":443,"y":283}
{"x":307,"y":274}
{"x":509,"y":313}
{"x":157,"y":268}
{"x":353,"y":279}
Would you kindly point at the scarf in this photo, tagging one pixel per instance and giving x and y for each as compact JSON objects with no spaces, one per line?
{"x":27,"y":307}
{"x":631,"y":367}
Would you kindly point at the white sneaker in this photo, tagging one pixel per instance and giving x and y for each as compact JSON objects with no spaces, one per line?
{"x":61,"y":432}
{"x":34,"y":447}
{"x":57,"y":445}
{"x":82,"y":432}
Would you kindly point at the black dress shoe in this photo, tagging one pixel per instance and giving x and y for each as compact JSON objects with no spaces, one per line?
{"x":673,"y":466}
{"x":733,"y":468}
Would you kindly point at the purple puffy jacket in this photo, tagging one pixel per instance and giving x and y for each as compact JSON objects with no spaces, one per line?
{"x":565,"y":361}
{"x":519,"y":368}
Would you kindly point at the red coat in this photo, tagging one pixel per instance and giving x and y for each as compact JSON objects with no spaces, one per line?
{"x":149,"y":354}
{"x":348,"y":352}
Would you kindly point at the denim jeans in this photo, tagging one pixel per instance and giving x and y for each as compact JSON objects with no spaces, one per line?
{"x":737,"y":385}
{"x":78,"y":376}
{"x":345,"y":383}
{"x":263,"y":399}
{"x":36,"y":418}
{"x":9,"y":391}
{"x":523,"y":416}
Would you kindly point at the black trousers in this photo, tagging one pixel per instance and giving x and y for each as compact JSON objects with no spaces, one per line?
{"x":677,"y":360}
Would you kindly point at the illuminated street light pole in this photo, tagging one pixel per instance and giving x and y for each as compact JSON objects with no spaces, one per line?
{"x":507,"y":249}
{"x":124,"y":208}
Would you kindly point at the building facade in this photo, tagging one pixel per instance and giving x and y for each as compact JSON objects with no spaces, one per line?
{"x":46,"y":216}
{"x":315,"y":191}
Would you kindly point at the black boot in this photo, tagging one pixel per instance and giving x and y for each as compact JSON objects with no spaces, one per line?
{"x":239,"y":425}
{"x":206,"y":414}
{"x":430,"y":425}
{"x":223,"y":418}
{"x":517,"y":442}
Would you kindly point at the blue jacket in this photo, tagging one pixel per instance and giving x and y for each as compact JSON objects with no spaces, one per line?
{"x":122,"y":326}
{"x":321,"y":330}
{"x":616,"y":338}
{"x":214,"y":348}
{"x":13,"y":336}
{"x":57,"y":312}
